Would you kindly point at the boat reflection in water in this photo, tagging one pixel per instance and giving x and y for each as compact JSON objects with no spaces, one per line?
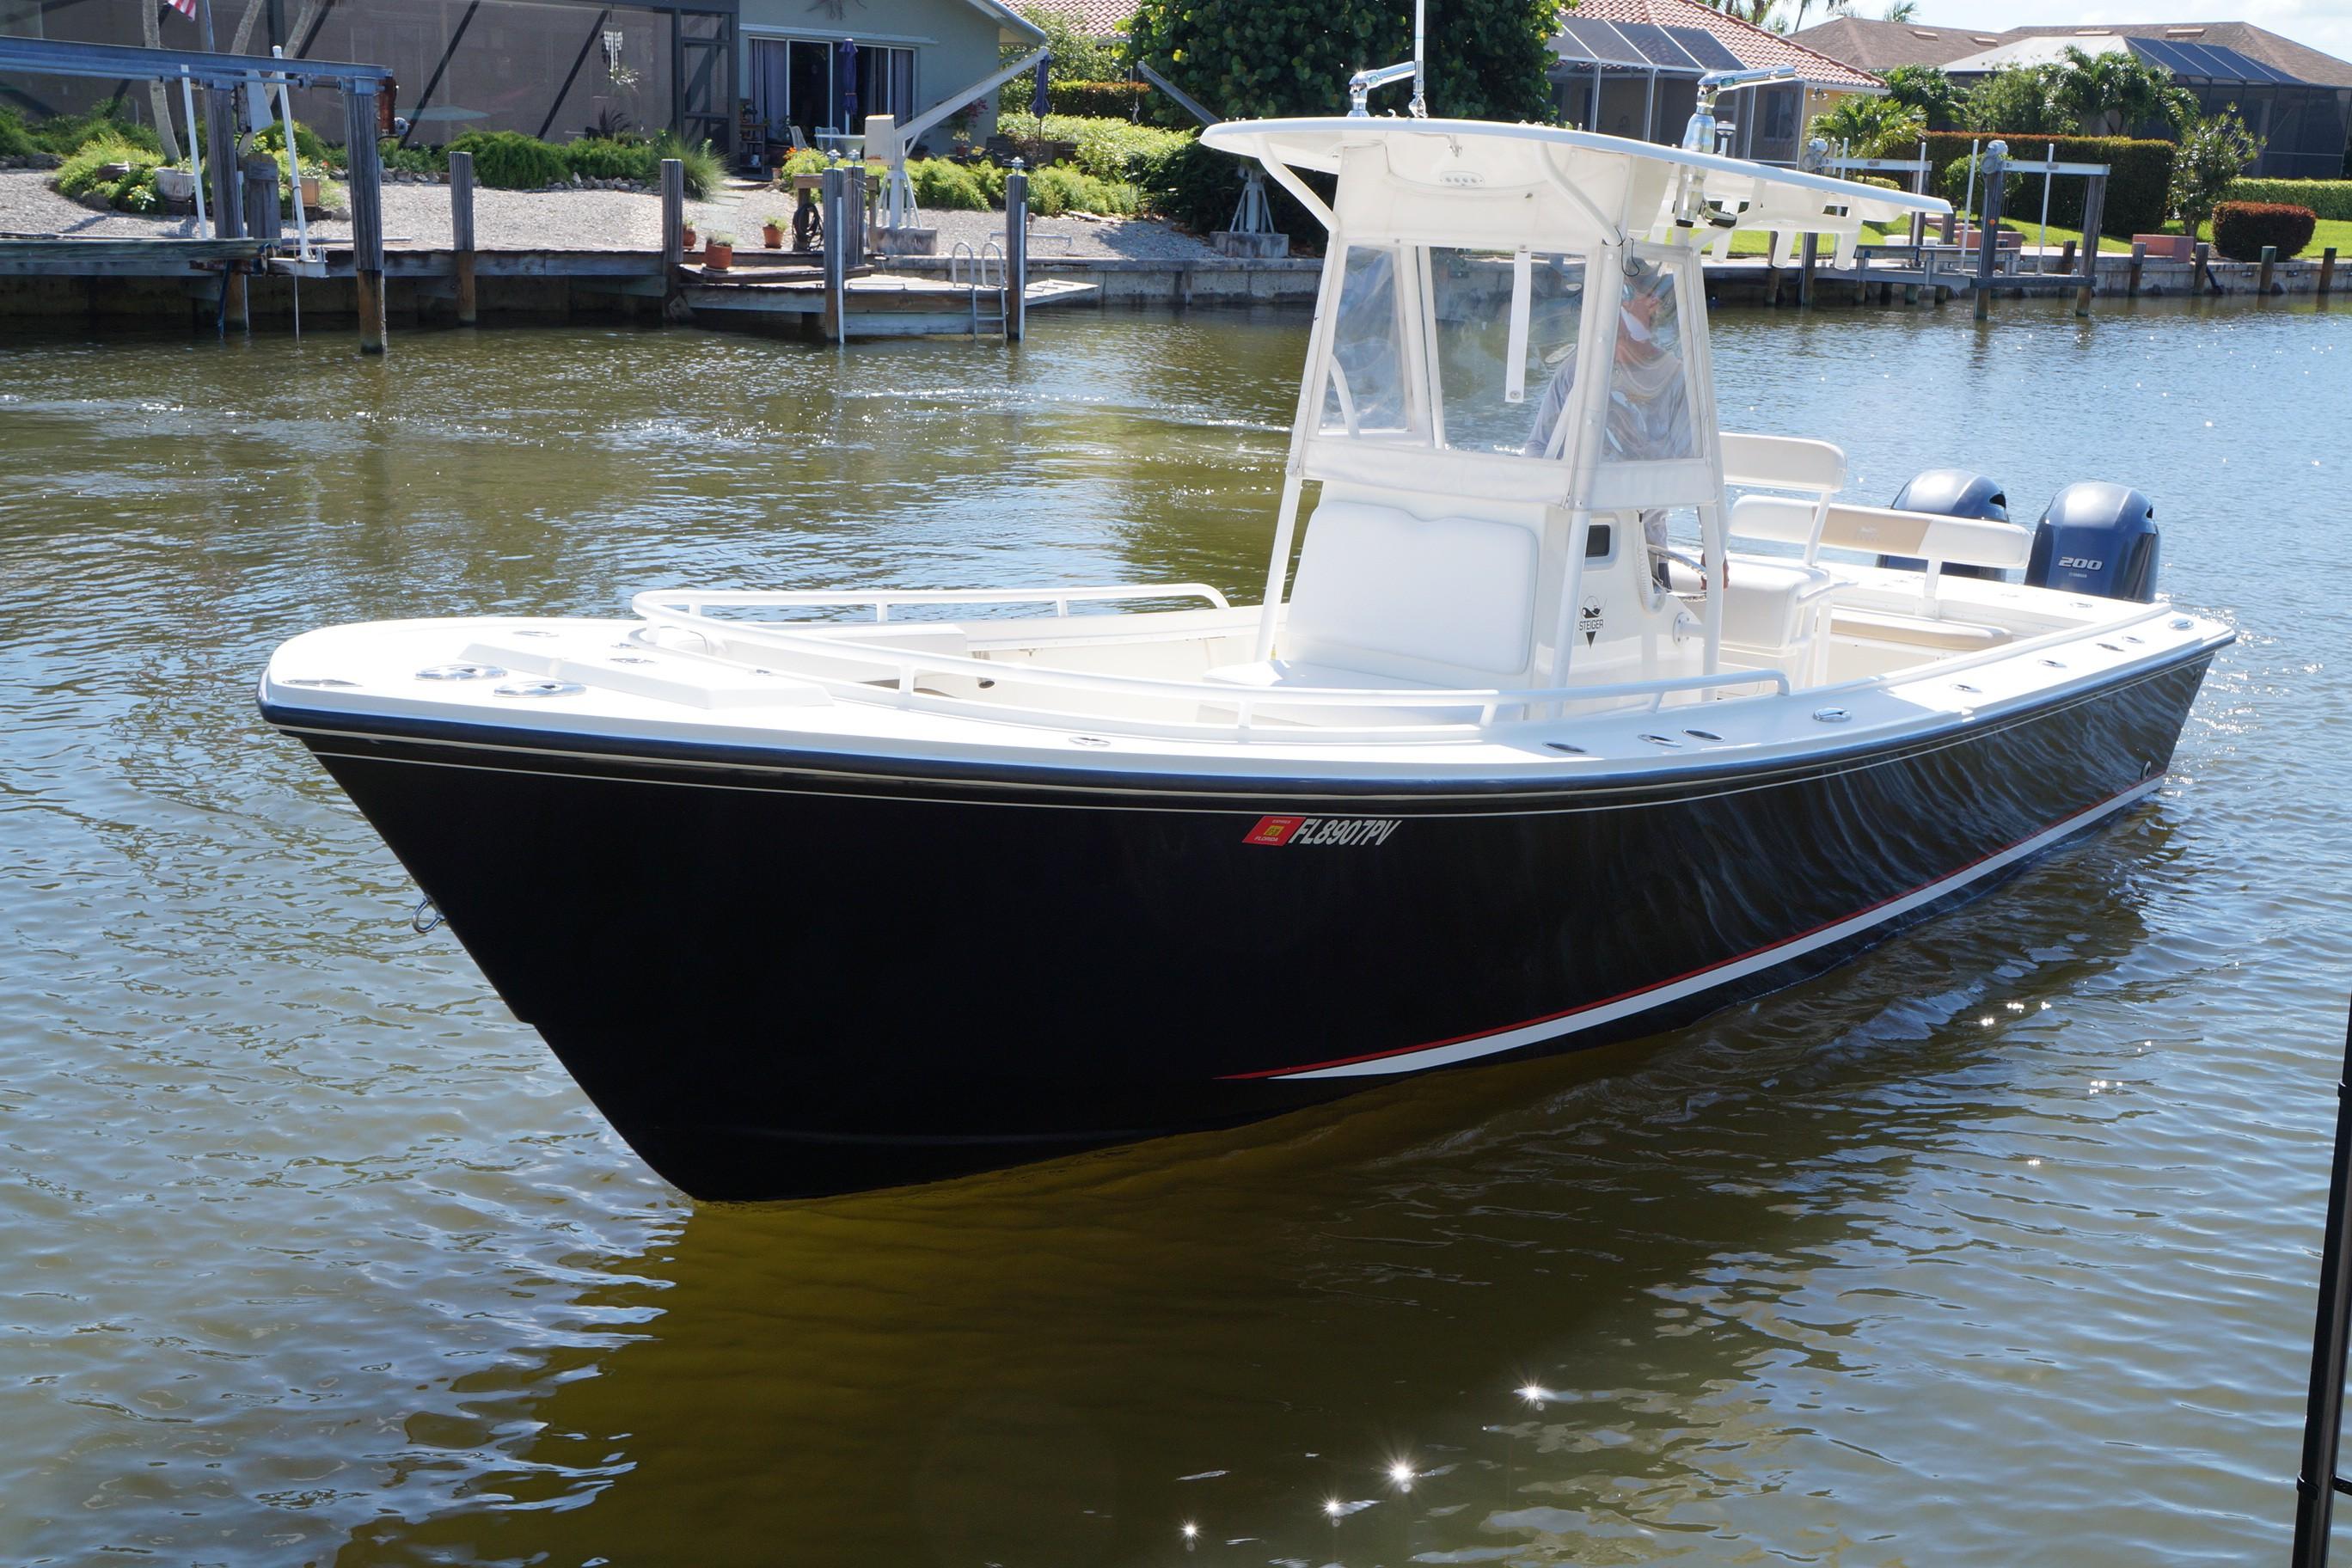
{"x":820,"y":892}
{"x":1065,"y":1364}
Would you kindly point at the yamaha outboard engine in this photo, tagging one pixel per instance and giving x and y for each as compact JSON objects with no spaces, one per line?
{"x":1950,"y":492}
{"x":2096,"y":538}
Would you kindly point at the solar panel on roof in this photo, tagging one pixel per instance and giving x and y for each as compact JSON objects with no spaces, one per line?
{"x":1603,"y":42}
{"x":1656,"y":47}
{"x":1706,"y":48}
{"x":2165,"y":52}
{"x":2205,"y":62}
{"x":2253,"y":69}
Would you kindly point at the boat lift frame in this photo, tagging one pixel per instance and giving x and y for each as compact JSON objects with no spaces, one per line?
{"x":223,"y":76}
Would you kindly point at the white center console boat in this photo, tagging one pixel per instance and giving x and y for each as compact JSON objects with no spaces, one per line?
{"x":1544,"y":740}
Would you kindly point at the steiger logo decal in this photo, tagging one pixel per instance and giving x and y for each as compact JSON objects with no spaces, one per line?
{"x":1335,"y":832}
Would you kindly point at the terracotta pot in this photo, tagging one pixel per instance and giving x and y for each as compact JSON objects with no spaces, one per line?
{"x":718,"y":256}
{"x":687,"y":239}
{"x":773,"y":236}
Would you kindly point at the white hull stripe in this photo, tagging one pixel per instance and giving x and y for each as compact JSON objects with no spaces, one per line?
{"x":1470,"y":1046}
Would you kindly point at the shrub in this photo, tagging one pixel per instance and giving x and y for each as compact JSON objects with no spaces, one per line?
{"x":509,"y":160}
{"x":306,"y":144}
{"x":705,"y":170}
{"x":2241,"y":230}
{"x":398,"y":158}
{"x":948,"y":187}
{"x":2330,"y":199}
{"x":2215,"y":149}
{"x":83,"y":174}
{"x":608,"y":158}
{"x":66,"y":134}
{"x":2138,"y":182}
{"x":15,"y":141}
{"x":1057,"y":188}
{"x":807,"y":160}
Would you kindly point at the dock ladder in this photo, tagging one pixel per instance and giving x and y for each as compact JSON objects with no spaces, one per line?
{"x":988,"y":272}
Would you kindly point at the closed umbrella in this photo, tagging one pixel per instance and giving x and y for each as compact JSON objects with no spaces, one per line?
{"x":849,"y":87}
{"x":1037,"y":99}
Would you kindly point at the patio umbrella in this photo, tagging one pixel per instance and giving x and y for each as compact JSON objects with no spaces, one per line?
{"x":849,"y":87}
{"x":1037,"y":99}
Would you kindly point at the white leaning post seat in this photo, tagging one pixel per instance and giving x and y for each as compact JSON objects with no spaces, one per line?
{"x":1939,"y":541}
{"x":1386,"y":598}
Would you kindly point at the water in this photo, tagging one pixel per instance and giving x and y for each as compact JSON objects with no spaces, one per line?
{"x":1997,"y":1245}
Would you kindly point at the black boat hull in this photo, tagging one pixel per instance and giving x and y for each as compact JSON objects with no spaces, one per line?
{"x":788,"y":975}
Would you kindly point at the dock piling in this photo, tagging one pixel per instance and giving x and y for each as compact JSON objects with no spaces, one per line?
{"x":1995,"y":160}
{"x":228,"y":206}
{"x":1016,"y":253}
{"x":833,"y":320}
{"x":1805,"y":270}
{"x":366,"y":173}
{"x":2138,"y":261}
{"x":2204,"y":273}
{"x":461,"y":232}
{"x":1773,"y":268}
{"x":2263,"y":279}
{"x":2326,"y":271}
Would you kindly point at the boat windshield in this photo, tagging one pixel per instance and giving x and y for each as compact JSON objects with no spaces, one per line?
{"x":1452,"y":348}
{"x":1476,"y":351}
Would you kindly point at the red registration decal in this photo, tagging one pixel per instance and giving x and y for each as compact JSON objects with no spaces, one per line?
{"x":1273,"y":830}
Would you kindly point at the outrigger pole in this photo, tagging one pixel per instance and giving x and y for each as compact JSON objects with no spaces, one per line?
{"x":2323,"y":1421}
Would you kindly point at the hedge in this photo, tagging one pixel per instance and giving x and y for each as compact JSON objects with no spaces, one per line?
{"x":2330,"y":199}
{"x":1112,"y":150}
{"x":2137,"y":182}
{"x":2241,"y":230}
{"x":83,"y":174}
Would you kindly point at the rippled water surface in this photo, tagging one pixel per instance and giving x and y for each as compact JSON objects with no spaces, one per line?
{"x":1994,"y":1246}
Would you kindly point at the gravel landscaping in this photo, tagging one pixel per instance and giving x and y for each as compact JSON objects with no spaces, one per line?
{"x":592,"y":220}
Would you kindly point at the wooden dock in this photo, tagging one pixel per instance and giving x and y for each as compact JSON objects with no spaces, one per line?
{"x":876,"y":305}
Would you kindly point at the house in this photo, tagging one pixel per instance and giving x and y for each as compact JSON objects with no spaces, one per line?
{"x":1631,"y":67}
{"x":557,"y":69}
{"x":2296,"y":98}
{"x":814,"y":66}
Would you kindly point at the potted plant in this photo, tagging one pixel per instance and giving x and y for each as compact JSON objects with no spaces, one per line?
{"x":719,"y":252}
{"x":310,"y":173}
{"x":773,"y":234}
{"x":686,"y":240}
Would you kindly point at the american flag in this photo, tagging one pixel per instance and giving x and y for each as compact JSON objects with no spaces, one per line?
{"x":186,"y":8}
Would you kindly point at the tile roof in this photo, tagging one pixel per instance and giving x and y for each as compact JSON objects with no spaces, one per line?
{"x":2255,"y":43}
{"x":1878,"y":45}
{"x":1095,"y":18}
{"x":1753,"y":45}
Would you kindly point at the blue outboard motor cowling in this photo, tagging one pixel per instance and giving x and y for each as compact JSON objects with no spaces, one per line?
{"x":2096,"y":538}
{"x":1950,"y":492}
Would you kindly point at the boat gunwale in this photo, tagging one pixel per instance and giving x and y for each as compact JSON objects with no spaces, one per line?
{"x":1582,"y":778}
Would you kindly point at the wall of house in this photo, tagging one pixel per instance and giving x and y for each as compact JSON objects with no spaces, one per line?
{"x":954,"y":43}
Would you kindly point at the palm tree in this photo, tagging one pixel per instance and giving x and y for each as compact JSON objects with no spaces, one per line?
{"x":1903,"y":11}
{"x":2109,"y":94}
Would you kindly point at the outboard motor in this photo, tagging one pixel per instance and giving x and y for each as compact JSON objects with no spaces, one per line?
{"x":2096,"y":538}
{"x":1950,"y":492}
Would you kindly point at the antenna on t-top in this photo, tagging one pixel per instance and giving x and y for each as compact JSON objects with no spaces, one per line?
{"x":1360,"y":85}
